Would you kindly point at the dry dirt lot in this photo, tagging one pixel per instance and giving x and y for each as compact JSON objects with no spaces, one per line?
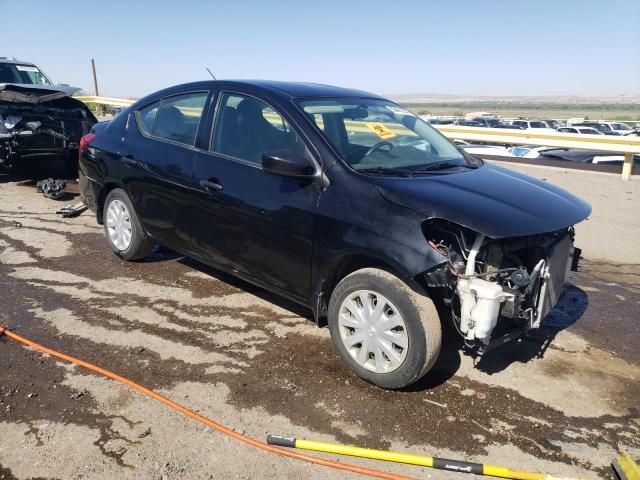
{"x":562,"y":402}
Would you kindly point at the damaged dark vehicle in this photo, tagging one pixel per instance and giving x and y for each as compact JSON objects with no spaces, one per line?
{"x":39,"y":120}
{"x":342,"y":201}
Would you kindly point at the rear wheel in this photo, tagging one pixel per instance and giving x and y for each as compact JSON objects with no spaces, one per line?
{"x":387,"y":333}
{"x":122,"y":227}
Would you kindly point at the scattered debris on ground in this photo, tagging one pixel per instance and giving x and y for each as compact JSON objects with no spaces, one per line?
{"x":52,"y":188}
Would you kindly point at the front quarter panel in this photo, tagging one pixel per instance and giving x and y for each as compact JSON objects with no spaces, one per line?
{"x":354,"y":219}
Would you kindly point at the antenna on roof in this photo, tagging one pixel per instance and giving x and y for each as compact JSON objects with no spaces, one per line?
{"x":212,"y":75}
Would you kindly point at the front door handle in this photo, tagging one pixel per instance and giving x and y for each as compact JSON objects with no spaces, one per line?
{"x":211,"y":185}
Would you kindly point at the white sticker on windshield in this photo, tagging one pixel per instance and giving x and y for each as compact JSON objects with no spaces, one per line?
{"x":26,"y":68}
{"x":399,"y":111}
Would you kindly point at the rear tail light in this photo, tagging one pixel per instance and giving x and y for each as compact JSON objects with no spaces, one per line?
{"x":84,"y":141}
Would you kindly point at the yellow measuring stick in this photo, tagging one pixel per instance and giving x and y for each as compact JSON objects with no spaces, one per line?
{"x":411,"y":459}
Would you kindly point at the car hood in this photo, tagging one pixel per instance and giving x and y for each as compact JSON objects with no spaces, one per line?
{"x":28,"y":93}
{"x":492,"y":200}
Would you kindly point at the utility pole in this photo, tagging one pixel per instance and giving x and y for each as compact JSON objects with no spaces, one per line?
{"x":95,"y":84}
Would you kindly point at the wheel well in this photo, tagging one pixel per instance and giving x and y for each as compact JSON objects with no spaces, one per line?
{"x":347,"y":265}
{"x":350,"y":264}
{"x":102,"y":197}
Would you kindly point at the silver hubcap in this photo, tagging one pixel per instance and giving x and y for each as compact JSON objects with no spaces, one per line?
{"x":373,"y":331}
{"x":119,"y":225}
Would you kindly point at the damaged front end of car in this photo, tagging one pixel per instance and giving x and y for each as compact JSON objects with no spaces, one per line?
{"x":38,"y":123}
{"x":498,"y":289}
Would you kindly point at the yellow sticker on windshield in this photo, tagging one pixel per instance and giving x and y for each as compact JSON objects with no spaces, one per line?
{"x":380,"y":130}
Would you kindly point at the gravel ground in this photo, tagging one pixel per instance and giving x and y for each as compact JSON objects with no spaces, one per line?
{"x":562,"y":402}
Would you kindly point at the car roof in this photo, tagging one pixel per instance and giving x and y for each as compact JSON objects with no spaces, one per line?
{"x":15,"y":61}
{"x":279,"y":88}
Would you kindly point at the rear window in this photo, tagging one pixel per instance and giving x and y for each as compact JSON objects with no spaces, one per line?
{"x":174,"y":118}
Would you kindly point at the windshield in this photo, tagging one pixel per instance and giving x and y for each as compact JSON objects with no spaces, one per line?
{"x":13,"y":73}
{"x":377,"y":135}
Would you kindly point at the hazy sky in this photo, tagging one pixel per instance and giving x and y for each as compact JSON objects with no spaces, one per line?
{"x":476,"y":47}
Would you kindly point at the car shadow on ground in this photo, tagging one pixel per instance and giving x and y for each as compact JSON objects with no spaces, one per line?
{"x":569,"y":310}
{"x":163,"y":254}
{"x":534,"y":344}
{"x":247,"y":287}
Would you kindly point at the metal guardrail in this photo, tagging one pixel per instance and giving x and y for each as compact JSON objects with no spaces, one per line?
{"x":112,"y":102}
{"x":628,"y":145}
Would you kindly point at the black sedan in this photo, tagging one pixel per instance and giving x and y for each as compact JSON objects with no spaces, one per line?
{"x":342,"y":201}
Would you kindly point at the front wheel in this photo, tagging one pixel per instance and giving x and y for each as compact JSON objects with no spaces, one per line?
{"x":387,"y":333}
{"x":122,"y":227}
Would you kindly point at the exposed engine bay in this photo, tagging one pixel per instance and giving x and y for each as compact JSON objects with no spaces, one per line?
{"x":37,"y":123}
{"x":497,"y":289}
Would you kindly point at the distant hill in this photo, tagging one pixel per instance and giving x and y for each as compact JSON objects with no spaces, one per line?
{"x":613,"y":107}
{"x":433,"y":98}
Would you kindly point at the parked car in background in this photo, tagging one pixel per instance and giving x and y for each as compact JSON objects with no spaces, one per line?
{"x":468,"y":123}
{"x":538,"y":125}
{"x":602,"y":127}
{"x":507,"y":125}
{"x":619,"y":127}
{"x":440,"y":121}
{"x":570,"y":155}
{"x":18,"y":72}
{"x":483,"y":150}
{"x":581,"y":130}
{"x":39,"y":120}
{"x":384,"y":229}
{"x":555,"y":124}
{"x":488,"y":122}
{"x":527,"y":151}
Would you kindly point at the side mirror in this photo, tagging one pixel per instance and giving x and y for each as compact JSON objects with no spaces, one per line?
{"x":64,"y":84}
{"x":287,"y":163}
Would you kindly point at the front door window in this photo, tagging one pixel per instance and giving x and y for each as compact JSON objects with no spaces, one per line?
{"x":246,"y":128}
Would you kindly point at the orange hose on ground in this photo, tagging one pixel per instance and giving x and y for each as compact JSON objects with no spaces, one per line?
{"x":227,"y":431}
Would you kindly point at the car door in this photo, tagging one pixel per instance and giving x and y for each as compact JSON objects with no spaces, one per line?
{"x":159,"y":153}
{"x":254,"y":222}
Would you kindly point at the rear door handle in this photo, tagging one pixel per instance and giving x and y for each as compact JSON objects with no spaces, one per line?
{"x":211,"y":185}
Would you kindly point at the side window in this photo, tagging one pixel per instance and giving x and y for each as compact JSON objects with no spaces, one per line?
{"x":246,"y":128}
{"x":178,"y":117}
{"x":147,"y":117}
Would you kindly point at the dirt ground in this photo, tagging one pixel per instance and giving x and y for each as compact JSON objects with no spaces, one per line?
{"x":562,"y":402}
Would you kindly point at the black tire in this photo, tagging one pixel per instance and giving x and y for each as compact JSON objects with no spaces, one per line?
{"x":420,"y":316}
{"x":140,"y":245}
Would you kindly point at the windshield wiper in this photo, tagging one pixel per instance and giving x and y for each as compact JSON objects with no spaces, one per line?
{"x":443,"y":166}
{"x":385,"y":171}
